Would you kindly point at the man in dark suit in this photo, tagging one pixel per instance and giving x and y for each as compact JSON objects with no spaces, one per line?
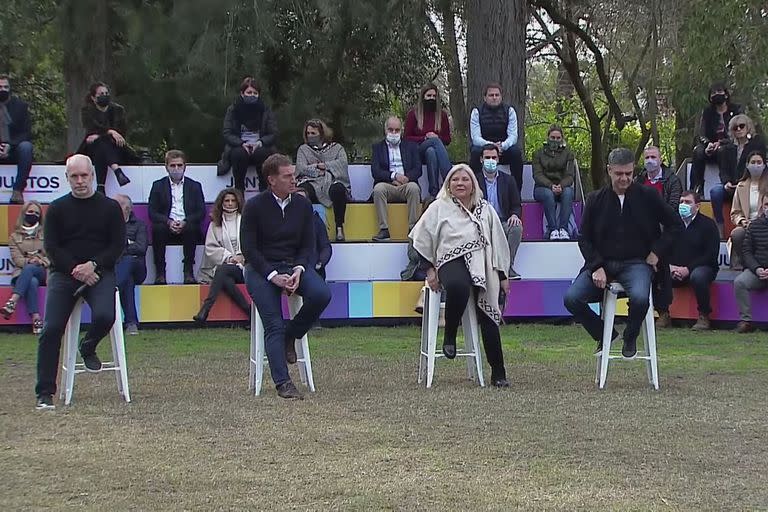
{"x":396,"y":169}
{"x":176,"y":209}
{"x":15,"y":137}
{"x":501,"y":191}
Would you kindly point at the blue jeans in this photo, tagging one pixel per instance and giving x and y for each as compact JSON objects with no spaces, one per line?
{"x":547,"y":198}
{"x":718,"y":195}
{"x":266,"y":297}
{"x":27,"y":283}
{"x":435,"y":157}
{"x":21,"y":155}
{"x":634,"y":275}
{"x":129,"y":272}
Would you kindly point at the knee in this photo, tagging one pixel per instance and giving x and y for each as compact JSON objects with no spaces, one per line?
{"x":430,"y":152}
{"x":34,"y":283}
{"x":380,"y":191}
{"x":321,"y":296}
{"x":567,"y":193}
{"x":103,"y":317}
{"x":737,"y":235}
{"x":412,"y":191}
{"x":455,"y":288}
{"x":24,"y":148}
{"x":513,"y":152}
{"x":639,"y":300}
{"x":698,"y":152}
{"x":572,"y":300}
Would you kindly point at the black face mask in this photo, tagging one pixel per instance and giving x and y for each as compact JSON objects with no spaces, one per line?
{"x":102,"y":100}
{"x":4,"y":95}
{"x":30,"y":219}
{"x":430,"y":105}
{"x":718,"y":99}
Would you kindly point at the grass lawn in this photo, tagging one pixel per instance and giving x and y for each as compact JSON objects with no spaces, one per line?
{"x":371,"y":439}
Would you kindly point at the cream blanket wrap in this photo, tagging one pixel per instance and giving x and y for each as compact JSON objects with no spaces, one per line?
{"x":447,"y":230}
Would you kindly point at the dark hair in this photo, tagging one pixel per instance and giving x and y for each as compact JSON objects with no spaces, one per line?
{"x":325,"y":133}
{"x":492,"y":85}
{"x":749,"y":157}
{"x":554,"y":128}
{"x":218,"y":204}
{"x":272,"y":165}
{"x":174,"y":153}
{"x":719,"y":85}
{"x":4,"y":76}
{"x":621,"y":156}
{"x":491,"y":147}
{"x":247,"y":82}
{"x":696,"y":197}
{"x":93,"y":88}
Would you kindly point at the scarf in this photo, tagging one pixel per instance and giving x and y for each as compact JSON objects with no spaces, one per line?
{"x":30,"y":230}
{"x":230,"y":228}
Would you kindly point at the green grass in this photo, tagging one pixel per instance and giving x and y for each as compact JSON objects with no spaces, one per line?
{"x":370,"y":439}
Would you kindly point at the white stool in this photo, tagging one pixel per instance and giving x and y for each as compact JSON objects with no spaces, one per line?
{"x":428,"y":352}
{"x":69,"y":364}
{"x":648,"y":331}
{"x":258,"y":354}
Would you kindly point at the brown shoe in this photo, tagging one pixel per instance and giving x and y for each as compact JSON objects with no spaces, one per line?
{"x":290,"y":349}
{"x":17,"y":197}
{"x":160,"y":279}
{"x":744,"y":327}
{"x":289,"y":391}
{"x":664,"y":321}
{"x":702,"y":324}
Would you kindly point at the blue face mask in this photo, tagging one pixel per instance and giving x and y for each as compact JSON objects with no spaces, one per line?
{"x":686,"y":211}
{"x":489,"y":165}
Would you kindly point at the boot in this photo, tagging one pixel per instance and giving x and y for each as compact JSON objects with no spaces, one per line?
{"x":744,"y":327}
{"x":189,"y":276}
{"x":664,"y":321}
{"x":17,"y":197}
{"x":121,"y":178}
{"x":702,"y":324}
{"x":202,"y":315}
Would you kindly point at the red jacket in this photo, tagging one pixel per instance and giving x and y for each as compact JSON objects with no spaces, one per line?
{"x":413,"y":134}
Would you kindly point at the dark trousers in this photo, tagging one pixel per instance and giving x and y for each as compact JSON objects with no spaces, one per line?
{"x":129,"y":272}
{"x":227,"y":277}
{"x":511,"y":157}
{"x":59,"y":303}
{"x":634,"y":275}
{"x":21,"y":155}
{"x":162,"y":237}
{"x":700,"y":279}
{"x":339,"y":199}
{"x":240,"y":159}
{"x":266,"y":297}
{"x":103,"y":152}
{"x":455,"y":279}
{"x":700,"y":159}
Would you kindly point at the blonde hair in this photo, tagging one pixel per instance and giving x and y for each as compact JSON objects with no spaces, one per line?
{"x":20,"y":218}
{"x":445,"y":190}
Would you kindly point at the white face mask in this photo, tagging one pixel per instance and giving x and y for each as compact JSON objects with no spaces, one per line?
{"x":393,"y":138}
{"x":755,"y":170}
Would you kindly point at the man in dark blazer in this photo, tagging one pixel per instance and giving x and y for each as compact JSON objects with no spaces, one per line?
{"x":500,"y":189}
{"x":396,"y":169}
{"x":176,"y":209}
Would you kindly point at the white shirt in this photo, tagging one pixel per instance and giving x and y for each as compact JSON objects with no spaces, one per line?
{"x":177,"y":201}
{"x":621,"y":201}
{"x":754,"y":200}
{"x":282,"y":203}
{"x":395,"y":161}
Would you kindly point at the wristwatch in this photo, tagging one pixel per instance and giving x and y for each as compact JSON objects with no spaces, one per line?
{"x":95,"y":266}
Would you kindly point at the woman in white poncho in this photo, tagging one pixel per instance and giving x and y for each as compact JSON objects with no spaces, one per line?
{"x":463,"y":248}
{"x":322,"y":170}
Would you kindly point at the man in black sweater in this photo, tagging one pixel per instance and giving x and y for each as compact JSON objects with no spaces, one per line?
{"x":277,"y":235}
{"x":755,"y":274}
{"x":84,"y":237}
{"x":621,"y":240}
{"x":692,"y":259}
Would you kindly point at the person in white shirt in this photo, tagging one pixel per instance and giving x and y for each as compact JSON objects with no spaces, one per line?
{"x":176,"y":209}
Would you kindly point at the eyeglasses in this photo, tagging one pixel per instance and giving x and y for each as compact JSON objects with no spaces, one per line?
{"x":739,"y":127}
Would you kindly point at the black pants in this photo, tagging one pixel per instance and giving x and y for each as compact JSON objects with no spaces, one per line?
{"x":59,"y":304}
{"x":240,"y":159}
{"x":700,"y":279}
{"x":226,"y":278}
{"x":339,"y":199}
{"x":721,"y":156}
{"x":162,"y":237}
{"x":103,"y":153}
{"x":511,"y":157}
{"x":457,"y":283}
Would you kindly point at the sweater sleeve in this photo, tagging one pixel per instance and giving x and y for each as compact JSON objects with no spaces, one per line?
{"x":710,"y":247}
{"x":324,"y":250}
{"x":670,"y":219}
{"x":139,"y":246}
{"x":539,"y":177}
{"x":18,"y":258}
{"x":308,"y":240}
{"x":113,"y":216}
{"x":592,"y":259}
{"x":412,"y":132}
{"x":445,"y":128}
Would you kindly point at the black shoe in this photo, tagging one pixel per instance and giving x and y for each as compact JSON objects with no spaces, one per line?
{"x":121,"y":178}
{"x":629,"y":350}
{"x":289,"y":391}
{"x":92,"y":362}
{"x":290,"y":349}
{"x":45,"y":403}
{"x":599,"y":348}
{"x":160,"y":279}
{"x":189,"y":278}
{"x":500,"y":383}
{"x":514,"y":276}
{"x":381,"y":236}
{"x":449,"y":351}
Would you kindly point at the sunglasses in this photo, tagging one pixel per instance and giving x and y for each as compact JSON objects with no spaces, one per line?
{"x":739,"y":127}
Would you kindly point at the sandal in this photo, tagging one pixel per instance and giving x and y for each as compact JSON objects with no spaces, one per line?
{"x":37,"y":326}
{"x":8,"y":309}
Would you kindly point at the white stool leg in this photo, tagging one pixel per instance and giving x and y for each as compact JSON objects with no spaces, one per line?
{"x":424,"y":336}
{"x":252,"y":349}
{"x":258,"y":352}
{"x":649,"y":338}
{"x":71,"y":338}
{"x":117,"y":339}
{"x":433,"y":298}
{"x":609,"y":305}
{"x":472,"y":343}
{"x":303,"y":358}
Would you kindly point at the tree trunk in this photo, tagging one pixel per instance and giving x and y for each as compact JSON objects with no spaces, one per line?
{"x":496,"y":52}
{"x":457,"y":101}
{"x":87,"y":44}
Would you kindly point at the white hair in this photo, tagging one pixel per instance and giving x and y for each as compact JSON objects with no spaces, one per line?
{"x":74,"y":160}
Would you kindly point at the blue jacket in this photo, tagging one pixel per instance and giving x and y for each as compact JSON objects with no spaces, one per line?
{"x":322,"y":251}
{"x":509,"y":196}
{"x":409,"y":152}
{"x":20,"y":129}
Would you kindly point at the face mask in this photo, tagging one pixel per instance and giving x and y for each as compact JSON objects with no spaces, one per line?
{"x":393,"y":138}
{"x":251,"y":100}
{"x":489,"y":165}
{"x":30,"y":219}
{"x":176,"y":176}
{"x":755,"y":170}
{"x":685,"y":210}
{"x":651,"y":165}
{"x":103,"y":100}
{"x":553,"y":144}
{"x":314,"y":140}
{"x":430,"y":105}
{"x":718,"y":99}
{"x":229,"y":210}
{"x":4,"y":95}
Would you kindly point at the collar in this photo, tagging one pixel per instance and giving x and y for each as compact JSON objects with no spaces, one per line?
{"x":280,"y":202}
{"x":177,"y":184}
{"x":489,"y":179}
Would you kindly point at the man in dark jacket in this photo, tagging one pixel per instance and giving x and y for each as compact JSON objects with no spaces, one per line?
{"x":131,"y":268}
{"x":713,"y":127}
{"x":621,"y":240}
{"x":660,"y":177}
{"x":502,"y":193}
{"x":692,"y":259}
{"x":15,"y":137}
{"x":322,"y":251}
{"x":176,"y":209}
{"x":755,"y":274}
{"x":396,"y":169}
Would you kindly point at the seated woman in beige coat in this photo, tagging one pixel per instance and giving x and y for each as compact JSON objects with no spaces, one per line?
{"x":223,"y":260}
{"x":464,"y":249}
{"x":746,"y":202}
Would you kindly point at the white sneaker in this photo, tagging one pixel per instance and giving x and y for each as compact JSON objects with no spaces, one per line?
{"x":564,"y":235}
{"x":554,"y":235}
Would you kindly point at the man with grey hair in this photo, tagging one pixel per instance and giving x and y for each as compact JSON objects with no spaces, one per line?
{"x":396,"y":169}
{"x":84,"y":237}
{"x":621,"y":240}
{"x":131,"y":268}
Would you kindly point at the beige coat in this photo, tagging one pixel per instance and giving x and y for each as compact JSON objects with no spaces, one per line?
{"x":740,"y":204}
{"x":23,"y":247}
{"x":218,"y":247}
